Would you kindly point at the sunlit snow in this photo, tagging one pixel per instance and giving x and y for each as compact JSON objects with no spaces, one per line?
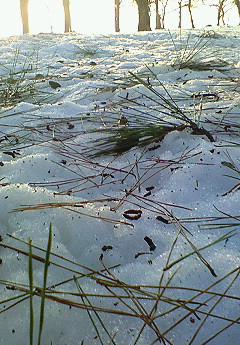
{"x":122,"y":212}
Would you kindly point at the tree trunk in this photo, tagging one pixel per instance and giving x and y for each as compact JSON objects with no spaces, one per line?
{"x":143,"y":15}
{"x":189,"y":5}
{"x":158,"y":18}
{"x":66,"y":6}
{"x":117,"y":15}
{"x":164,"y":13}
{"x":180,"y":14}
{"x":220,"y":12}
{"x":24,"y":15}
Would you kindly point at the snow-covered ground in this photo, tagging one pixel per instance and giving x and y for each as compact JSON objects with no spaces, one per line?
{"x":135,"y":213}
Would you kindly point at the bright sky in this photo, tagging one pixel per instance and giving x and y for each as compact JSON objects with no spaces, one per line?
{"x":91,"y":16}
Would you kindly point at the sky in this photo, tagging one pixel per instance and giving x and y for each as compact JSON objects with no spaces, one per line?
{"x":163,"y":214}
{"x":91,"y":17}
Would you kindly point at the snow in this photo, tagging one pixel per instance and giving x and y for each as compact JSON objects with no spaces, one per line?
{"x":181,"y":187}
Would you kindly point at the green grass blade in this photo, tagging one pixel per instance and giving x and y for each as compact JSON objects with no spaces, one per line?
{"x":31,"y":293}
{"x":19,"y":298}
{"x":211,"y":309}
{"x":47,"y":262}
{"x":97,"y":315}
{"x":222,"y":238}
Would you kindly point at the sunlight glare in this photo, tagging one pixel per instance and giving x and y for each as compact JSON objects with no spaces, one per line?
{"x":93,"y":16}
{"x":46,"y":16}
{"x":97,"y":16}
{"x":10,"y":19}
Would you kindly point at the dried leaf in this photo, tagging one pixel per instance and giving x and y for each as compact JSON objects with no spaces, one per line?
{"x":161,"y":219}
{"x":152,"y":246}
{"x":132,"y":214}
{"x":105,"y":248}
{"x":54,"y":84}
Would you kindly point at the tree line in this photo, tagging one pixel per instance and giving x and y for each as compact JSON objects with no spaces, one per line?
{"x":144,"y":9}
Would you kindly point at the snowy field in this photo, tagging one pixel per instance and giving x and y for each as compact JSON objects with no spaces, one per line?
{"x":145,"y":242}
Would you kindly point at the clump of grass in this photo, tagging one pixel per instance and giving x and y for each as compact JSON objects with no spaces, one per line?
{"x":204,"y":64}
{"x":147,"y":128}
{"x":211,"y":34}
{"x":195,"y":55}
{"x":21,"y":80}
{"x":15,"y":86}
{"x":87,"y":50}
{"x":15,"y":89}
{"x":124,"y":138}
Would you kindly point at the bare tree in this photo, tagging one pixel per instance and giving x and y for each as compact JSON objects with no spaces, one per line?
{"x":24,"y":15}
{"x":189,"y":6}
{"x":117,"y":15}
{"x":67,"y":15}
{"x":160,"y":13}
{"x":163,"y":14}
{"x":143,"y":15}
{"x":221,"y":12}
